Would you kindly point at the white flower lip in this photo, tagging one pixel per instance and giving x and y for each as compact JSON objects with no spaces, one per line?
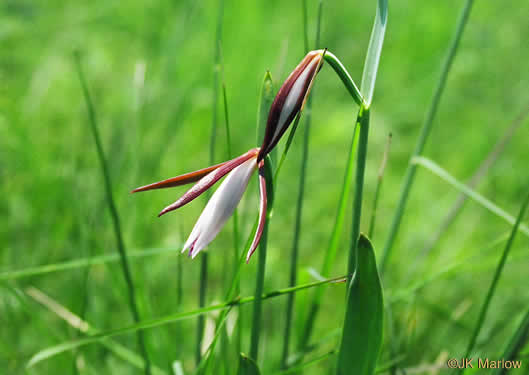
{"x":222,"y":204}
{"x":220,"y":207}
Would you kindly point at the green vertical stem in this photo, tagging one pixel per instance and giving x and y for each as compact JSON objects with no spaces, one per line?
{"x":363,"y":122}
{"x":332,"y":249}
{"x":257,"y":308}
{"x":423,"y":137}
{"x":257,"y":305}
{"x":236,"y":255}
{"x":204,"y":259}
{"x":305,"y":25}
{"x":301,"y":194}
{"x":113,"y":212}
{"x":203,"y":280}
{"x":295,"y":242}
{"x":494,"y":283}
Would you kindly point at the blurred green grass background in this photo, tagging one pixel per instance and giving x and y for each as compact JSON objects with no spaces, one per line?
{"x":150,"y":69}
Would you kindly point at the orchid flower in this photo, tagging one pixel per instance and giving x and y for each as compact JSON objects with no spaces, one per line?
{"x":290,"y":100}
{"x":287,"y":104}
{"x":222,"y":204}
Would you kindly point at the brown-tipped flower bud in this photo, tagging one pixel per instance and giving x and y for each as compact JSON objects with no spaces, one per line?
{"x":289,"y":100}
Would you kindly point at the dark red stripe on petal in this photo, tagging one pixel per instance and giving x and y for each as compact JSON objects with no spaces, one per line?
{"x":262,"y":212}
{"x":270,"y":140}
{"x":207,"y":181}
{"x":179,"y":180}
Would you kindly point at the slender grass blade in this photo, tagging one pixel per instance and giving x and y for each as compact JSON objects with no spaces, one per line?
{"x":152,"y":323}
{"x":472,"y":194}
{"x":423,"y":136}
{"x":494,"y":283}
{"x":516,"y":343}
{"x":374,"y":49}
{"x":127,"y":274}
{"x":247,"y":366}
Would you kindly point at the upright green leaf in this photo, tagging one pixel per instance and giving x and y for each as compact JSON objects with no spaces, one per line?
{"x":265,"y":102}
{"x":332,"y":249}
{"x":300,"y":199}
{"x":362,"y":331}
{"x":261,"y":265}
{"x":247,"y":366}
{"x":426,"y":129}
{"x":374,"y":49}
{"x":516,"y":343}
{"x":495,"y":279}
{"x":203,"y":276}
{"x":120,"y":243}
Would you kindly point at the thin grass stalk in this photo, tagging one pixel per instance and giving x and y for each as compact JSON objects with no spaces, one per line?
{"x":472,"y":194}
{"x":423,"y":137}
{"x":264,"y":106}
{"x":83,"y":327}
{"x":203,"y":280}
{"x":207,"y":362}
{"x":287,"y":145}
{"x":179,"y":283}
{"x":299,"y":368}
{"x":494,"y":283}
{"x":79,"y":263}
{"x":481,"y":171}
{"x":295,"y":241}
{"x":85,"y":301}
{"x":113,"y":211}
{"x":236,"y":255}
{"x":300,"y":197}
{"x":332,"y":249}
{"x":367,"y":88}
{"x":380,"y":177}
{"x":516,"y":343}
{"x":261,"y":265}
{"x":157,"y":322}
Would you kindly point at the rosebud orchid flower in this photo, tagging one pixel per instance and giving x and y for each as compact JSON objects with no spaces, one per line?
{"x":287,"y":104}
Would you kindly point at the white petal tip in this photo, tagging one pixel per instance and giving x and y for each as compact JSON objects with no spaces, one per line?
{"x":195,"y":253}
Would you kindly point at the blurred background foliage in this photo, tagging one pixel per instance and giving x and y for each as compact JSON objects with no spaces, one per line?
{"x":149,"y":66}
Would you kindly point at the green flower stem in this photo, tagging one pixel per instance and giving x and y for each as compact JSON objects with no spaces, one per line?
{"x":344,"y":75}
{"x":363,"y":122}
{"x":300,"y":197}
{"x":113,"y":213}
{"x":235,"y":221}
{"x":259,"y":285}
{"x":425,"y":132}
{"x":295,"y":240}
{"x":332,"y":249}
{"x":213,"y":136}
